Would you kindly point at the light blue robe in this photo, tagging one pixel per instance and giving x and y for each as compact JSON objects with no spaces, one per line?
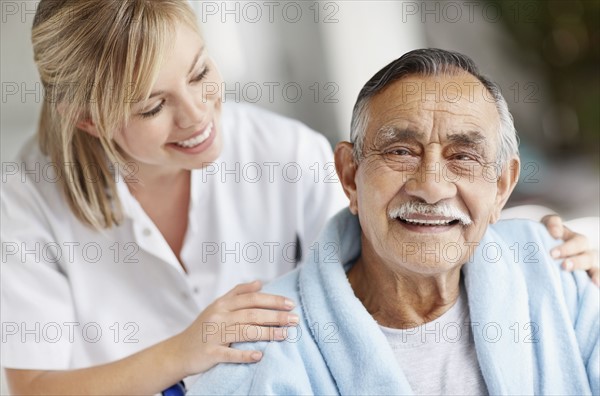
{"x":536,"y":327}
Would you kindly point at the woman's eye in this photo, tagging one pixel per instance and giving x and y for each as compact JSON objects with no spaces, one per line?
{"x":200,"y":76}
{"x":154,"y":111}
{"x":158,"y":108}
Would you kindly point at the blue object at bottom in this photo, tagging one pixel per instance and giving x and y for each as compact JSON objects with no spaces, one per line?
{"x":176,"y":390}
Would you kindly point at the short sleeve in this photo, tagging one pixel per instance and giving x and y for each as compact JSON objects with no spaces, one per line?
{"x":37,"y":308}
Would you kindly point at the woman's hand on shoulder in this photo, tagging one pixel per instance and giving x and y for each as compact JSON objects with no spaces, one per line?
{"x":242,"y":314}
{"x":575,"y":250}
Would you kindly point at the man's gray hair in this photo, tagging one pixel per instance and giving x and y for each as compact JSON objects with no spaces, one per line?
{"x":431,"y":62}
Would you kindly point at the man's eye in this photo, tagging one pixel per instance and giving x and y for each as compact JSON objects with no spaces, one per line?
{"x":400,"y":152}
{"x":464,"y":157}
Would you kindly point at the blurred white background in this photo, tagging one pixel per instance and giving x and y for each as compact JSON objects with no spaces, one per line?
{"x":309,"y":59}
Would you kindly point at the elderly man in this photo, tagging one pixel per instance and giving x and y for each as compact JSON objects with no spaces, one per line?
{"x":411,"y":290}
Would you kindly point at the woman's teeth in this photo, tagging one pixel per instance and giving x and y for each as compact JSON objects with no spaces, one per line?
{"x":193,"y":142}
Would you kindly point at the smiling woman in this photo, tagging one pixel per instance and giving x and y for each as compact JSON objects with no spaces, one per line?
{"x":123,"y":112}
{"x":146,"y":217}
{"x":179,"y":126}
{"x":175,"y":129}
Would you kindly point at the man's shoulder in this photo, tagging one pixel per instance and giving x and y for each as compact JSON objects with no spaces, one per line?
{"x":513,"y":283}
{"x":282,"y":361}
{"x":521,"y":236}
{"x":523,"y":247}
{"x":521,"y":229}
{"x":286,"y":285}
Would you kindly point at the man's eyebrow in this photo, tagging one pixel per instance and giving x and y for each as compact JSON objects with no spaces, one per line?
{"x":467,"y":138}
{"x":200,"y":52}
{"x":390,"y":134}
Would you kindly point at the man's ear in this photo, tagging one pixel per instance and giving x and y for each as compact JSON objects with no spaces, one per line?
{"x":505,"y":185}
{"x":89,"y":127}
{"x":346,"y":167}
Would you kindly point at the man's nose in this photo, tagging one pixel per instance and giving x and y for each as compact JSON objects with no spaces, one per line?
{"x":429,"y":183}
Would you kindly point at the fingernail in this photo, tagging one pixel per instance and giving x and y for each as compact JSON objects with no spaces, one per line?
{"x":293,"y":319}
{"x":555,"y":253}
{"x":289,"y":303}
{"x":568,"y":264}
{"x":256,"y":355}
{"x":279,"y":334}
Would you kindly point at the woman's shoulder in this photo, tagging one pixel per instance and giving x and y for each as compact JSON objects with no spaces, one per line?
{"x":25,"y":170}
{"x":265,"y":132}
{"x":257,"y":121}
{"x":29,"y":151}
{"x":31,"y":184}
{"x":236,"y":112}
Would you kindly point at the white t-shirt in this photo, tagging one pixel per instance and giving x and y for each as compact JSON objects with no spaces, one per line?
{"x":74,"y":297}
{"x":439,"y":357}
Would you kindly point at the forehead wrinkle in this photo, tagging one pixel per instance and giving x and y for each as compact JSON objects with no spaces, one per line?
{"x":455,"y":111}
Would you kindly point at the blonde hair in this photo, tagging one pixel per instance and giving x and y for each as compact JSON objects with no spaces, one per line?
{"x":96,"y":58}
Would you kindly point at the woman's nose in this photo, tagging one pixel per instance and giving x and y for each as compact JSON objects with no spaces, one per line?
{"x":192,"y":110}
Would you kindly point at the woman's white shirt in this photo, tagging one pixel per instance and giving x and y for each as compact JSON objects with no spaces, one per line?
{"x":74,"y":297}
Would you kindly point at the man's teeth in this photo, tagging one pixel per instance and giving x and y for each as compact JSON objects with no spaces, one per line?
{"x":428,"y":222}
{"x":198,"y":139}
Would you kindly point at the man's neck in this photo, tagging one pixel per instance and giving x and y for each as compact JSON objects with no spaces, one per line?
{"x":403,"y":300}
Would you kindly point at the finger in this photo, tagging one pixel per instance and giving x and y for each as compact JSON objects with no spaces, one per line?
{"x":554,"y":225}
{"x":594,"y":273}
{"x":259,"y":300}
{"x":584,"y":261}
{"x":263,"y":317}
{"x":244,"y":288}
{"x":252,"y":333}
{"x":573,"y":245}
{"x":232,"y":355}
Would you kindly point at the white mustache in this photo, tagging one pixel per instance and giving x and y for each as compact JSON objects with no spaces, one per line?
{"x":443,"y":210}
